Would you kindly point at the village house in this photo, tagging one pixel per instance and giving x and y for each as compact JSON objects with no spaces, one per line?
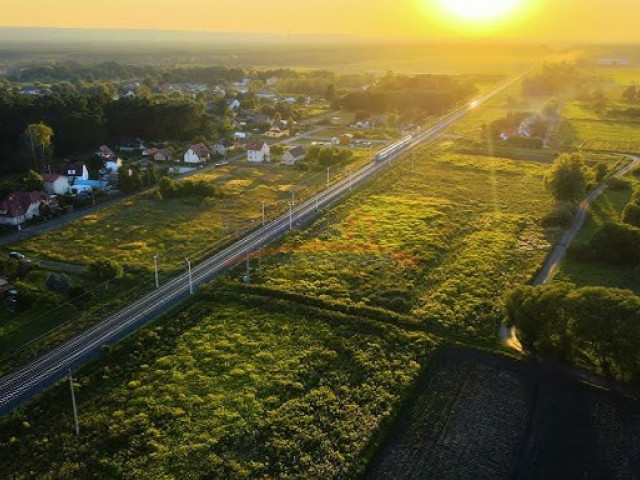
{"x":106,"y":153}
{"x":258,"y":152}
{"x":197,"y":154}
{"x":265,"y":94}
{"x":163,"y":155}
{"x":293,"y":155}
{"x":74,"y":172}
{"x":55,"y":184}
{"x":276,"y":132}
{"x":346,"y":139}
{"x":19,"y":207}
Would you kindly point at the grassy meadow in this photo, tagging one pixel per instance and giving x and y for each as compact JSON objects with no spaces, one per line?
{"x":460,"y":230}
{"x":227,"y":387}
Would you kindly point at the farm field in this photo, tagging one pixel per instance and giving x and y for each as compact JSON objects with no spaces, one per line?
{"x":606,"y":135}
{"x":228,"y":386}
{"x":480,"y":416}
{"x":457,"y":232}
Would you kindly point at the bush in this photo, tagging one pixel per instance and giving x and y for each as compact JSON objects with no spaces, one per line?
{"x":106,"y":269}
{"x":631,"y":214}
{"x":60,"y":283}
{"x":188,"y":188}
{"x":616,"y":243}
{"x":601,"y":171}
{"x":562,"y":215}
{"x":617,"y":184}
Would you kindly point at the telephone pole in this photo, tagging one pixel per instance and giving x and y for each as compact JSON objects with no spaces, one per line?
{"x":350,"y":180}
{"x":75,"y":407}
{"x":190,"y":277}
{"x":155,"y":268}
{"x":328,"y":176}
{"x":263,"y":217}
{"x":290,"y":216}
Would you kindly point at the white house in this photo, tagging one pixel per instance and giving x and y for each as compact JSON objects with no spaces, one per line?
{"x":294,"y":155}
{"x":55,"y":184}
{"x":265,"y":94}
{"x":74,"y":172}
{"x":197,"y":154}
{"x":234,"y":104}
{"x":258,"y":152}
{"x":111,"y":167}
{"x":17,"y":208}
{"x":239,"y":135}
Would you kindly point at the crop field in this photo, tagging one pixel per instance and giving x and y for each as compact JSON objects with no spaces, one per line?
{"x":229,"y":386}
{"x":484,"y":417}
{"x":445,"y":241}
{"x":606,"y":135}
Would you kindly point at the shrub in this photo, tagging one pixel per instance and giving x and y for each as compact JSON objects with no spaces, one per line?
{"x":561,"y":216}
{"x":617,"y":184}
{"x":568,"y":178}
{"x":616,"y":243}
{"x":60,"y":283}
{"x":631,"y":214}
{"x":106,"y":269}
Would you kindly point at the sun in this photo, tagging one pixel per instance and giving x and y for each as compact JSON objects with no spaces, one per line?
{"x":479,"y":10}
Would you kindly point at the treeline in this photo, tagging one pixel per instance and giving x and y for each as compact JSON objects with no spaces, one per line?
{"x":83,"y":119}
{"x":553,"y":79}
{"x":74,"y":71}
{"x":430,"y":94}
{"x":592,"y":327}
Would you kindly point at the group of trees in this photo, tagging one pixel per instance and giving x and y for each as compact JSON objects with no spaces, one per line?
{"x":591,"y":326}
{"x":430,"y":94}
{"x":136,"y":177}
{"x":553,"y":79}
{"x":327,"y":156}
{"x":77,"y":120}
{"x":169,"y":188}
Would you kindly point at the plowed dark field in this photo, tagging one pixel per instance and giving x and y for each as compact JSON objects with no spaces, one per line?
{"x":478,"y":416}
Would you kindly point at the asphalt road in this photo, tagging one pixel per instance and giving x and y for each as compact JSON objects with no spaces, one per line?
{"x":39,"y":374}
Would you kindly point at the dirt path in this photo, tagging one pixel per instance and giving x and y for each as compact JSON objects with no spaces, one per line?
{"x":508,"y":334}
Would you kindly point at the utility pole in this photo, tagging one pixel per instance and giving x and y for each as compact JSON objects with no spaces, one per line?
{"x":75,"y":407}
{"x":293,"y":197}
{"x":190,"y":277}
{"x":155,"y":269}
{"x":328,"y":176}
{"x":350,"y":180}
{"x":263,"y":217}
{"x":290,"y":216}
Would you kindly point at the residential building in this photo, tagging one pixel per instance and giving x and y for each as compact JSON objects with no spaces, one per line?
{"x":258,"y":152}
{"x":276,"y":132}
{"x":346,"y":139}
{"x":265,"y":94}
{"x":19,"y":207}
{"x":219,"y":149}
{"x":74,"y":172}
{"x":163,"y":155}
{"x":294,"y":155}
{"x":198,"y":153}
{"x":55,"y":184}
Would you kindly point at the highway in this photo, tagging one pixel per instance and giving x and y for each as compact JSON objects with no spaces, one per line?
{"x":45,"y":370}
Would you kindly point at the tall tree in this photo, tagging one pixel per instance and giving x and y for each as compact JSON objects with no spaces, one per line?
{"x":32,"y":182}
{"x":568,"y":178}
{"x":38,"y":137}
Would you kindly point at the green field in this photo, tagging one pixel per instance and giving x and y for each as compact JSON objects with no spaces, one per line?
{"x":460,"y":229}
{"x":228,"y":387}
{"x":135,"y":230}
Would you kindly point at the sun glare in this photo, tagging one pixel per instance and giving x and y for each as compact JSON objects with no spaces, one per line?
{"x":479,"y":10}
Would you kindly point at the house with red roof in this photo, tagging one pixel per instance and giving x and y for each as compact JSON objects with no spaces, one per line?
{"x":258,"y":152}
{"x":19,"y":207}
{"x":198,"y":153}
{"x":55,"y":184}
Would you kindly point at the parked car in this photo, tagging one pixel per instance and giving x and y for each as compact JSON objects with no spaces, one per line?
{"x":16,"y":255}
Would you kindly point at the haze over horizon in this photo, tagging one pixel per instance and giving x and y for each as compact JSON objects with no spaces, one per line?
{"x":539,"y":20}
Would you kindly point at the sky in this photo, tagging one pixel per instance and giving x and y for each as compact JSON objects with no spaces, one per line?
{"x":586,"y":20}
